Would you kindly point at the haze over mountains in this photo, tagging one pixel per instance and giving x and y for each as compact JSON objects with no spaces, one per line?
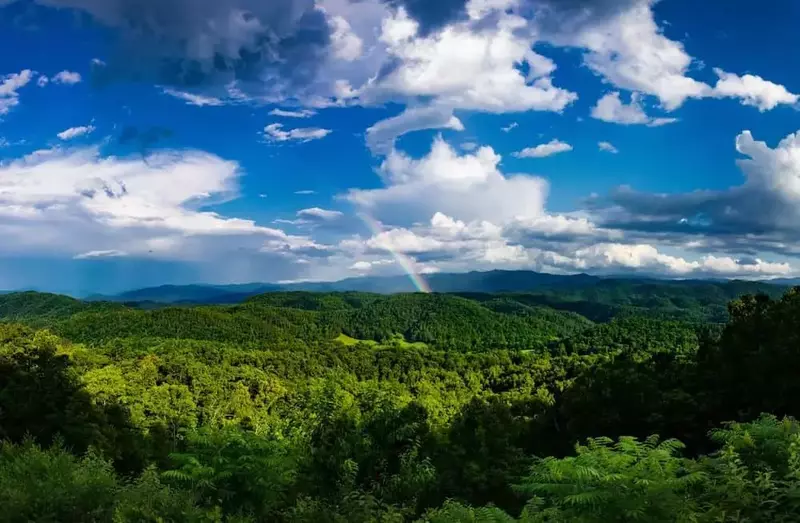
{"x":470,"y":282}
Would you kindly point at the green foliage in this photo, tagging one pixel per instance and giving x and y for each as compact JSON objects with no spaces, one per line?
{"x":53,"y":485}
{"x":626,"y":480}
{"x":352,"y":407}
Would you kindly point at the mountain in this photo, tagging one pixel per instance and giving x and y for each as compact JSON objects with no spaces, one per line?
{"x":788,"y":282}
{"x":199,"y":293}
{"x":491,"y":281}
{"x":496,"y":281}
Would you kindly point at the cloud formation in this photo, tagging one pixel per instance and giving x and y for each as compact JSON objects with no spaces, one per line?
{"x":274,"y":133}
{"x":10,"y":84}
{"x":66,"y":77}
{"x":192,"y":98}
{"x":625,"y":46}
{"x":74,"y":132}
{"x":188,"y":43}
{"x":81,"y":203}
{"x":319,"y":214}
{"x":607,"y":147}
{"x":510,"y":127}
{"x":468,"y":185}
{"x":753,"y":90}
{"x":761,"y":214}
{"x":300,"y":113}
{"x":610,"y":108}
{"x":554,"y":146}
{"x":381,"y":136}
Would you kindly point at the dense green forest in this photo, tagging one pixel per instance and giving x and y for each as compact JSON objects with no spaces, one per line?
{"x":628,"y":402}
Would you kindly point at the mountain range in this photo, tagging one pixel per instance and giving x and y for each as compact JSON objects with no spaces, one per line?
{"x":471,"y":282}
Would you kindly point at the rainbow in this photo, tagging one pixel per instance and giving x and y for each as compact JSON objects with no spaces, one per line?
{"x":405,"y":262}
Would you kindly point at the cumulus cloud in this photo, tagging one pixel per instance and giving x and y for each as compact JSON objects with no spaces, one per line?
{"x":66,"y":77}
{"x":431,"y":15}
{"x":647,"y":259}
{"x":365,"y":265}
{"x":192,"y":98}
{"x":554,"y":146}
{"x":319,"y":214}
{"x":448,"y":244}
{"x":753,"y":90}
{"x":610,"y":108}
{"x":761,"y":214}
{"x":299,"y":113}
{"x":628,"y":49}
{"x":10,"y":84}
{"x":467,"y":69}
{"x":100,"y":254}
{"x":275,"y":133}
{"x":625,"y":46}
{"x":346,"y":44}
{"x":74,"y":132}
{"x":80,"y":202}
{"x":452,"y":211}
{"x":381,"y":136}
{"x":510,"y":127}
{"x":467,"y":185}
{"x":271,"y":46}
{"x":607,"y":147}
{"x":457,"y":67}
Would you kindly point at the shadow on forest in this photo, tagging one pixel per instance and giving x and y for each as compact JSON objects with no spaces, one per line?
{"x":41,"y":398}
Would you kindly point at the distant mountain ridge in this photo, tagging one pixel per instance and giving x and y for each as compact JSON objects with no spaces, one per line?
{"x":495,"y":281}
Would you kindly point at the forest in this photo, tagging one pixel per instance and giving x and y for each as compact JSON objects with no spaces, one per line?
{"x":614,"y":402}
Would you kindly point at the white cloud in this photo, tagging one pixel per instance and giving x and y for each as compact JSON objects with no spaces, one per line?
{"x":368,"y":265}
{"x":467,"y":69}
{"x":607,"y":147}
{"x":306,"y":192}
{"x":550,"y":148}
{"x":753,"y":90}
{"x":74,"y":132}
{"x":42,"y":81}
{"x":101,"y":254}
{"x":361,"y":266}
{"x":275,"y":133}
{"x":760,"y":215}
{"x":321,"y":214}
{"x":192,"y":98}
{"x":300,"y":113}
{"x":382,"y":135}
{"x":611,"y":257}
{"x":346,"y":44}
{"x":403,"y":241}
{"x":467,"y":186}
{"x":510,"y":127}
{"x":469,"y":146}
{"x":67,"y":77}
{"x":78,"y":202}
{"x":610,"y":108}
{"x":630,"y":52}
{"x":9,"y":85}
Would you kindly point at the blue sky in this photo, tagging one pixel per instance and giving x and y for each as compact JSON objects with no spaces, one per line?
{"x":238,"y":140}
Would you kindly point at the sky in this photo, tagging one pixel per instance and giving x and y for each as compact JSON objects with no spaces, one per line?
{"x":147,"y":142}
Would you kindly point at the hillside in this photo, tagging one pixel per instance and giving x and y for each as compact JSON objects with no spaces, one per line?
{"x":572,"y":291}
{"x":272,"y":410}
{"x":439,"y":320}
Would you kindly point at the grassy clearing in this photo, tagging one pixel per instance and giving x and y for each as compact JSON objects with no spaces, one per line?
{"x":397,"y":341}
